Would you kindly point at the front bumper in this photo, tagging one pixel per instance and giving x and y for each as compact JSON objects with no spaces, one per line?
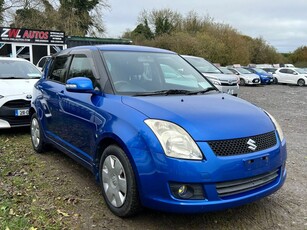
{"x":254,"y":81}
{"x":155,"y":189}
{"x":232,"y":90}
{"x":15,"y":113}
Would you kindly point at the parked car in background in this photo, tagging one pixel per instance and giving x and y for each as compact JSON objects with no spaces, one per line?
{"x":225,"y":83}
{"x":17,"y":77}
{"x":42,"y":62}
{"x":225,"y":70}
{"x":265,"y":77}
{"x":271,"y":70}
{"x":246,"y":76}
{"x":294,"y":76}
{"x":151,"y":140}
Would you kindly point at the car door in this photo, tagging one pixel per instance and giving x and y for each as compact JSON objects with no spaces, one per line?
{"x":50,"y":89}
{"x":80,"y":115}
{"x":283,"y":75}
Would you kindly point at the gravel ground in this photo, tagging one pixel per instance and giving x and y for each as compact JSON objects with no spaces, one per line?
{"x":285,"y":209}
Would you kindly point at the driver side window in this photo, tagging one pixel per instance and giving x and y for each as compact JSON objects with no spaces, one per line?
{"x":81,"y":67}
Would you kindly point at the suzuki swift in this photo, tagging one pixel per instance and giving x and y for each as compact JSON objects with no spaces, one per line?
{"x":155,"y":132}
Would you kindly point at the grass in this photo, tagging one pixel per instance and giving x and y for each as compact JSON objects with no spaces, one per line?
{"x":25,"y":201}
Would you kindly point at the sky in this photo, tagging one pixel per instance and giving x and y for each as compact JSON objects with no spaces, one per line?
{"x":281,"y":23}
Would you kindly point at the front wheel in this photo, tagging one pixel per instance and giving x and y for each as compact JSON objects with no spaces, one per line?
{"x":37,"y":138}
{"x":275,"y":81}
{"x":118,"y":183}
{"x":301,"y":82}
{"x":242,"y":81}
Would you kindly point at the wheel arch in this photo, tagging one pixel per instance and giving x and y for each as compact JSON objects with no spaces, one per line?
{"x":301,"y":79}
{"x":107,"y":140}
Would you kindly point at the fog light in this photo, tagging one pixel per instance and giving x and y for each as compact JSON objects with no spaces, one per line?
{"x":182,"y":190}
{"x":187,"y":191}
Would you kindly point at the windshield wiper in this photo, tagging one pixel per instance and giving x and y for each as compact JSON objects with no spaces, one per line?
{"x":202,"y":91}
{"x":165,"y":92}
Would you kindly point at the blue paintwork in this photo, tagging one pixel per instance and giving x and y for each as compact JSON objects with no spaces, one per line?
{"x":265,"y":78}
{"x":77,"y":123}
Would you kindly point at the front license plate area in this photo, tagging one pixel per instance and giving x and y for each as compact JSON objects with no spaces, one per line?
{"x":255,"y":163}
{"x":21,"y":112}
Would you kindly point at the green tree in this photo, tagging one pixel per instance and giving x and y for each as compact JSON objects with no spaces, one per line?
{"x":75,"y":17}
{"x":161,"y":21}
{"x":299,"y":57}
{"x":143,"y":30}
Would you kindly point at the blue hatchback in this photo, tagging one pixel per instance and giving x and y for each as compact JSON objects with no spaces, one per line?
{"x":265,"y":77}
{"x":169,"y":142}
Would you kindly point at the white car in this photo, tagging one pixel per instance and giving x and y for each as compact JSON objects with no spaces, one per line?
{"x":224,"y":82}
{"x":17,"y":78}
{"x":294,"y":76}
{"x":246,"y":76}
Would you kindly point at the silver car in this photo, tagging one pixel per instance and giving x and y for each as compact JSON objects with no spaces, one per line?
{"x":224,"y":82}
{"x":246,"y":76}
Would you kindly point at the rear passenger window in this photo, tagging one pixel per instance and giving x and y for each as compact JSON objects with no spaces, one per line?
{"x":59,"y":69}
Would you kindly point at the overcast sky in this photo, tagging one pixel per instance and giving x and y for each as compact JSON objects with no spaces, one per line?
{"x":282,"y":23}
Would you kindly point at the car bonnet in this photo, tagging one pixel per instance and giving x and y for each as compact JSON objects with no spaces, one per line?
{"x":13,"y":87}
{"x":206,"y":117}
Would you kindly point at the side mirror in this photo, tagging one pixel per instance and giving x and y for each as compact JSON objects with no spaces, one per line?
{"x":79,"y":85}
{"x":295,"y":73}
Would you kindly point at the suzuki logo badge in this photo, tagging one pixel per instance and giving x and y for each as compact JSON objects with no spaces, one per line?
{"x":251,"y":144}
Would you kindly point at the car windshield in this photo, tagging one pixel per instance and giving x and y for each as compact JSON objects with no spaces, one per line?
{"x":146,"y":73}
{"x":13,"y":69}
{"x":202,"y":65}
{"x":243,"y":71}
{"x":260,"y":70}
{"x":300,"y":71}
{"x":225,"y":70}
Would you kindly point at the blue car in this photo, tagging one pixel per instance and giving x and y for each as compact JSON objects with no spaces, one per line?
{"x":152,"y":138}
{"x":265,"y":77}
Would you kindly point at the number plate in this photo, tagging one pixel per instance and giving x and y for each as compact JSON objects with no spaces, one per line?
{"x":21,"y":112}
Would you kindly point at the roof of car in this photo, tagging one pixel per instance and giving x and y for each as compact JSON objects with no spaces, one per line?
{"x":13,"y":59}
{"x":120,"y":48}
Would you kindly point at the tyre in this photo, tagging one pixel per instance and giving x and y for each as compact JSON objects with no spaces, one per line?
{"x":301,"y":82}
{"x":242,"y":81}
{"x":275,"y":81}
{"x":118,"y":182}
{"x":37,"y":137}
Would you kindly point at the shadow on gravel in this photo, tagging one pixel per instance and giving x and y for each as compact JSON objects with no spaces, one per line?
{"x":15,"y":131}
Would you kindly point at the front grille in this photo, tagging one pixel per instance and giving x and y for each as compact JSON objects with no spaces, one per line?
{"x":239,"y":146}
{"x":18,"y":104}
{"x":239,"y":186}
{"x":229,"y":84}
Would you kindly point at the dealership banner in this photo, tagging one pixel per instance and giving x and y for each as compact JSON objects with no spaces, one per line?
{"x":8,"y":34}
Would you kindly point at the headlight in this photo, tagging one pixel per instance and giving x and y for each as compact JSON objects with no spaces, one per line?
{"x":1,"y":96}
{"x":277,"y":126}
{"x":176,"y":142}
{"x":216,"y":82}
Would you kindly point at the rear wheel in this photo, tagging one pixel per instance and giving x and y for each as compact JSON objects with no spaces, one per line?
{"x":37,"y":137}
{"x":118,"y":183}
{"x":301,"y":82}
